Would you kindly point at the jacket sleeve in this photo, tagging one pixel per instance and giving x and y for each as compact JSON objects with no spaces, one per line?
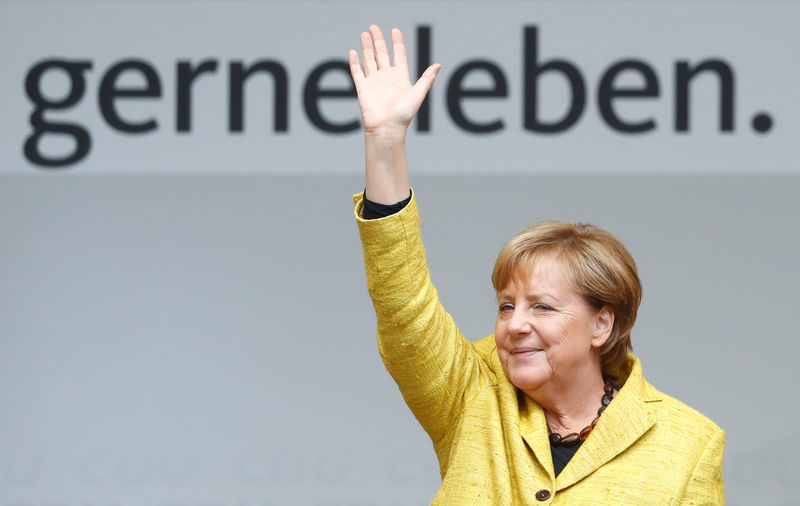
{"x":706,"y":486}
{"x":428,"y":357}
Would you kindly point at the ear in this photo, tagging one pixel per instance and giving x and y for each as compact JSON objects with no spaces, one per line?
{"x":603,"y":325}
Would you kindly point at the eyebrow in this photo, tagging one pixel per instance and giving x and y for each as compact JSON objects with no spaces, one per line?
{"x":529,"y":295}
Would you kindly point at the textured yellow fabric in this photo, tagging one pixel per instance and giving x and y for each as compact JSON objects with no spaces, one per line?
{"x":490,"y":439}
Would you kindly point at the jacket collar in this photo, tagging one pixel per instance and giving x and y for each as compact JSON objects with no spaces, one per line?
{"x":626,"y":419}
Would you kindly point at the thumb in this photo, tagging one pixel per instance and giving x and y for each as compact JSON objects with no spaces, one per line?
{"x":424,"y":83}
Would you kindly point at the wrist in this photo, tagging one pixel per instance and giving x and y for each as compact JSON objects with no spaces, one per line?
{"x":385,"y":137}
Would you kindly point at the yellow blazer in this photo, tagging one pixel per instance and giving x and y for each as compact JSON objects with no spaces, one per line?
{"x":491,"y":439}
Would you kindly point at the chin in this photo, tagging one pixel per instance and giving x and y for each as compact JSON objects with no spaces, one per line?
{"x":527,"y":380}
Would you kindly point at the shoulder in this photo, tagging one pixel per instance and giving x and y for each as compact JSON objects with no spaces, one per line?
{"x":675,"y":424}
{"x":684,"y":437}
{"x":691,"y":445}
{"x":681,"y":416}
{"x":687,"y":434}
{"x":669,"y":411}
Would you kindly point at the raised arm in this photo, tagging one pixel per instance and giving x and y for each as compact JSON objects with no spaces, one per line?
{"x":432,"y":363}
{"x":388,"y":103}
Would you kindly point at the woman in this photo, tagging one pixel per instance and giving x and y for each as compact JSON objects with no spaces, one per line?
{"x":552,"y":408}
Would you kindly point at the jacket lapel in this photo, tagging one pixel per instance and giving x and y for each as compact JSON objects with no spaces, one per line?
{"x":533,"y":428}
{"x":530,"y":421}
{"x":625,"y":420}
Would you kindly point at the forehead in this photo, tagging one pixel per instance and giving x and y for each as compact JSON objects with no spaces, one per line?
{"x":541,"y":272}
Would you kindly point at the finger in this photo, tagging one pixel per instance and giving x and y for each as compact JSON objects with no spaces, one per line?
{"x":368,"y":54}
{"x":399,"y":47}
{"x":355,"y":68}
{"x":381,"y":51}
{"x":424,"y":83}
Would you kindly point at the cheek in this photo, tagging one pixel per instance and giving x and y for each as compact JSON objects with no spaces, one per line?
{"x":499,"y":333}
{"x":499,"y":341}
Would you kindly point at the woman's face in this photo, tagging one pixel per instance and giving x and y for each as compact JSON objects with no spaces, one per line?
{"x":546,"y":332}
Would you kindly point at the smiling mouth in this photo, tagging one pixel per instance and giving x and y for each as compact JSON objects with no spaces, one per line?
{"x":525,"y":351}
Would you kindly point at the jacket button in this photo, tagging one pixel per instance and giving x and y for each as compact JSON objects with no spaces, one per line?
{"x":543,"y":494}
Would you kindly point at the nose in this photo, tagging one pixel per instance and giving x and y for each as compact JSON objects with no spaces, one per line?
{"x":519,"y":324}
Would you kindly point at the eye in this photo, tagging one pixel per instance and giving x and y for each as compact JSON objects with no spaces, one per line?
{"x":506,"y":307}
{"x":543,"y":307}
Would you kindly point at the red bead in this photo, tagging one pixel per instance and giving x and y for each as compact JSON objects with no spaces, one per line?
{"x":585,"y":432}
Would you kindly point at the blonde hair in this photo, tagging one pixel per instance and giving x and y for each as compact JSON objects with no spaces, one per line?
{"x":596,"y":265}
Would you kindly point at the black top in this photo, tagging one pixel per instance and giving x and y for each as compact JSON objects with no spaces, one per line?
{"x":373,"y":210}
{"x":562,"y":454}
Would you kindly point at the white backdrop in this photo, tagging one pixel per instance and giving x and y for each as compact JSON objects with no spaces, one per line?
{"x":184,"y":317}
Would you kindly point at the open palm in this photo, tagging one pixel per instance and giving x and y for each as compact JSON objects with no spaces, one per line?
{"x":387,"y":99}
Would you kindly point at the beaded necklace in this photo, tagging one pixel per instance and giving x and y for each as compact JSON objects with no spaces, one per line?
{"x":610,"y":384}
